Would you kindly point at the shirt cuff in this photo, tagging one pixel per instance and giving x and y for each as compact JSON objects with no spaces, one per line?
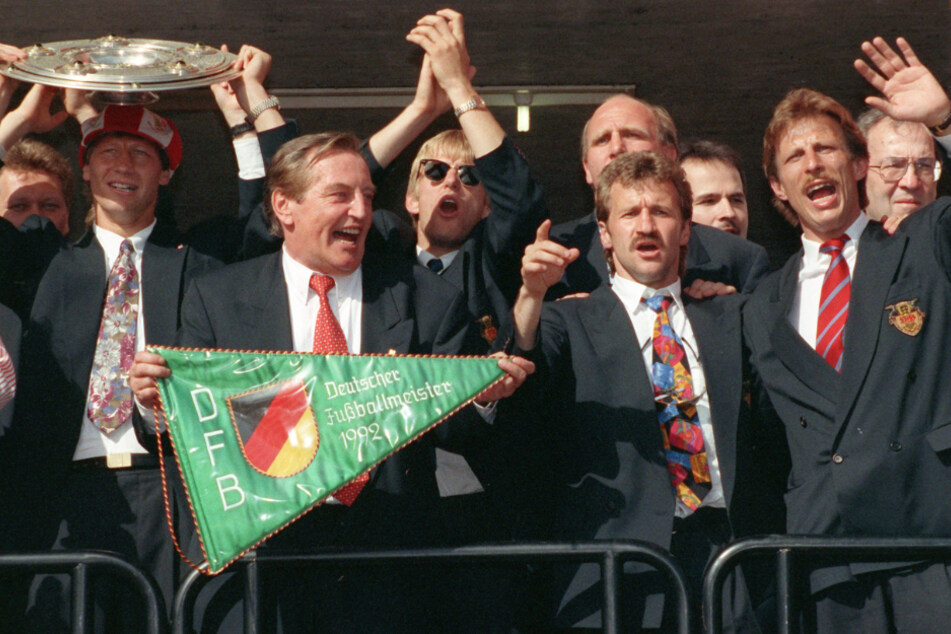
{"x":247,"y":151}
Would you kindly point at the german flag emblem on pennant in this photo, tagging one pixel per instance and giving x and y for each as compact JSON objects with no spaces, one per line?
{"x":276,"y":428}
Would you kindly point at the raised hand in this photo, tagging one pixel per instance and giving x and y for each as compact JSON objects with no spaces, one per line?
{"x":544,"y":262}
{"x":911,"y":92}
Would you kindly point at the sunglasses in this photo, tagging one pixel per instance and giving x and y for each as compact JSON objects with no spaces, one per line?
{"x":436,"y":171}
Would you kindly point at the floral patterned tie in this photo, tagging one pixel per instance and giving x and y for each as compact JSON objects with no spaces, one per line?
{"x":677,"y":410}
{"x":109,"y":403}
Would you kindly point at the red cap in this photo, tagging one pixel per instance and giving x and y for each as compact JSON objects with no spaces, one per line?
{"x":137,"y":121}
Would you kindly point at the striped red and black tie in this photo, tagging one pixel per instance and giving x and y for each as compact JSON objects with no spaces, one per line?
{"x":833,"y":304}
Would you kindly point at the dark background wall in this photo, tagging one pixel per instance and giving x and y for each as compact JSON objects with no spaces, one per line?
{"x":719,"y":67}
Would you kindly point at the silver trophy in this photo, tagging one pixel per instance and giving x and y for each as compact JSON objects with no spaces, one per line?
{"x":123,"y":70}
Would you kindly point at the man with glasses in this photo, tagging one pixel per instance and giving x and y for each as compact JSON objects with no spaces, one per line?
{"x":903,"y":167}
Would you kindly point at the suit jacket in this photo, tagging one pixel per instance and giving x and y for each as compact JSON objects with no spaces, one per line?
{"x":870,"y":448}
{"x":600,"y":432}
{"x":60,"y":342}
{"x":712,"y":255}
{"x":245,"y":306}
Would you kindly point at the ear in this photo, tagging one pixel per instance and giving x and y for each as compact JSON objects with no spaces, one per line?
{"x":587,"y":172}
{"x":778,"y":189}
{"x":165,"y":177}
{"x":86,"y":176}
{"x":280,"y":205}
{"x":605,"y":236}
{"x":685,"y":234}
{"x":859,"y":167}
{"x":411,"y":202}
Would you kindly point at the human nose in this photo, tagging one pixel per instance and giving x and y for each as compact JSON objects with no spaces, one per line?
{"x":724,"y":209}
{"x":615,"y":144}
{"x":644,"y":222}
{"x":811,"y":159}
{"x":909,"y":179}
{"x":361,"y":207}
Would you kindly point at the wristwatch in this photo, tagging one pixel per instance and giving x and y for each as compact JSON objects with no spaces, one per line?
{"x":476,"y":103}
{"x":241,"y":128}
{"x":267,"y":104}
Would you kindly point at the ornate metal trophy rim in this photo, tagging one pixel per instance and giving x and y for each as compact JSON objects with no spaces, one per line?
{"x":117,"y":64}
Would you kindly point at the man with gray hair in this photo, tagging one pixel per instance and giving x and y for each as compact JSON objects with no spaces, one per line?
{"x":904,"y":167}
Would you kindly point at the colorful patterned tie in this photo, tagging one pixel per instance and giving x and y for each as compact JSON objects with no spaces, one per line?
{"x":109,"y":403}
{"x":833,"y":304}
{"x":677,"y":410}
{"x":329,"y":339}
{"x":8,"y":377}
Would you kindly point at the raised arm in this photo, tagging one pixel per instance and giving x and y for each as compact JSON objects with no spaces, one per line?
{"x":443,"y":38}
{"x":429,"y":102}
{"x":33,"y":115}
{"x":909,"y":90}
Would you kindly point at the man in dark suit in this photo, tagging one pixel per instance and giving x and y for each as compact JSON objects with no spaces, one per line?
{"x":321,"y":197}
{"x":606,"y":430}
{"x":625,"y":124}
{"x":100,"y":482}
{"x":861,"y":390}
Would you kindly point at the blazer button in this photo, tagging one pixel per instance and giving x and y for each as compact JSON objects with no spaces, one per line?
{"x":837,"y":459}
{"x":802,"y":422}
{"x":894,"y":445}
{"x":912,"y":375}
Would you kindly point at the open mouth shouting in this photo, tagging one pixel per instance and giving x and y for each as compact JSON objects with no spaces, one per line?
{"x":448,"y":206}
{"x":823,"y":194}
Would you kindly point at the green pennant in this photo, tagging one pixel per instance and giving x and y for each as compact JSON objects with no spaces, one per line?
{"x":263,"y":437}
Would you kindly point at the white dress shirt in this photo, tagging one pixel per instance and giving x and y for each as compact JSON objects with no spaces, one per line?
{"x":93,"y":442}
{"x":346,"y":302}
{"x":804,"y":312}
{"x":642,"y":320}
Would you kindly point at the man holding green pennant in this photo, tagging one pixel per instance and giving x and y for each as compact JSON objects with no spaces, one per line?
{"x":326,"y":291}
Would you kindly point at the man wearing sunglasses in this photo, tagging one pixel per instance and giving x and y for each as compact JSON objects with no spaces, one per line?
{"x":903,"y":167}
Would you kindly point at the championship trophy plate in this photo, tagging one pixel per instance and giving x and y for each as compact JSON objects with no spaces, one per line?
{"x":123,"y":70}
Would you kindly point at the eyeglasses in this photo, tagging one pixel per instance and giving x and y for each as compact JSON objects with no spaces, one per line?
{"x":436,"y":171}
{"x":893,"y":168}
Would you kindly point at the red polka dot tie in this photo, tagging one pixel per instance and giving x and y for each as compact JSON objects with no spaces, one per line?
{"x":833,"y":304}
{"x":329,"y":339}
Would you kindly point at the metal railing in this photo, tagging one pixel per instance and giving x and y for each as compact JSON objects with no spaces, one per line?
{"x":611,"y":555}
{"x":790,"y":550}
{"x":79,"y":564}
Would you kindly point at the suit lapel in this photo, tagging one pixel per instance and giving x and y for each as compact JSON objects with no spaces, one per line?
{"x":720,"y":354}
{"x":270,"y":317}
{"x":879,"y":258}
{"x":162,"y":273}
{"x":388,"y":321}
{"x":612,"y":335}
{"x":83,"y":293}
{"x":804,"y":362}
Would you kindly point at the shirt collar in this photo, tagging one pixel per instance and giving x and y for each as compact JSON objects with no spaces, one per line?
{"x":810,"y":248}
{"x":423,"y":257}
{"x":297,"y":277}
{"x":111,"y":241}
{"x":631,"y":292}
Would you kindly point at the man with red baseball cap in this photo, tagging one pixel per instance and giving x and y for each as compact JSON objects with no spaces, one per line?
{"x":99,"y":301}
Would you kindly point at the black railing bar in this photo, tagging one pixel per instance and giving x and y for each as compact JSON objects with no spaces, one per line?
{"x":79,"y":612}
{"x":65,"y":561}
{"x":625,"y":550}
{"x":842,"y":549}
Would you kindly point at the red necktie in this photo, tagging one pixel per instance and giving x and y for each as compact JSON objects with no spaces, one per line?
{"x":329,"y":339}
{"x":833,"y":304}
